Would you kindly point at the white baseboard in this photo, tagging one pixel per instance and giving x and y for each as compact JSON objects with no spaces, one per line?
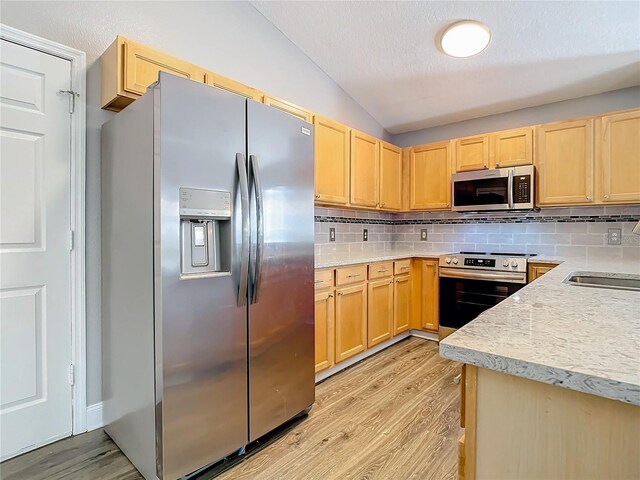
{"x":94,"y":416}
{"x":426,"y":335}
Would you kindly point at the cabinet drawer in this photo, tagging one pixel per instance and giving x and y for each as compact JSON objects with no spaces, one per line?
{"x":324,"y":278}
{"x":349,"y":275}
{"x":401,"y":267}
{"x":380,"y":270}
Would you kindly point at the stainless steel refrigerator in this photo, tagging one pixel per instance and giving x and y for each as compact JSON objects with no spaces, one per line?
{"x":207,"y":283}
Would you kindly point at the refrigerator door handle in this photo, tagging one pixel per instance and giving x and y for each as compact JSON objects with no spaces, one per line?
{"x":244,"y":253}
{"x":255,"y":181}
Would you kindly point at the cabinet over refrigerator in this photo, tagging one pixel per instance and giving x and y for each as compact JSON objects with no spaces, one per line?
{"x":207,"y":287}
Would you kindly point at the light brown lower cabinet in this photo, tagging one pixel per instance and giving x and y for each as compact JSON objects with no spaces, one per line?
{"x":324,"y":315}
{"x":401,"y":304}
{"x":380,"y":311}
{"x":351,"y":321}
{"x":430,"y":295}
{"x":536,"y":270}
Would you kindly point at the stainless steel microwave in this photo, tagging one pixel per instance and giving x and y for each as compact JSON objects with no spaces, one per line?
{"x":499,"y":189}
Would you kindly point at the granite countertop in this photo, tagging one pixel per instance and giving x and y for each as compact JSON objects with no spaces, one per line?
{"x":342,"y":259}
{"x":582,"y":338}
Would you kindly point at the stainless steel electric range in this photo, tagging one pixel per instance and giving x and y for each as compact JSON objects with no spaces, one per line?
{"x":472,"y":282}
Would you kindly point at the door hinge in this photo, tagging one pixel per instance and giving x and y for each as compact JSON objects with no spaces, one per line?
{"x":72,"y":240}
{"x":72,"y":374}
{"x":72,"y":98}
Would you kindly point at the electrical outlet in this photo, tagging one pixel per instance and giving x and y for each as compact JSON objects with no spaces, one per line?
{"x":423,"y":235}
{"x":365,"y":235}
{"x":332,"y":234}
{"x":614,"y":236}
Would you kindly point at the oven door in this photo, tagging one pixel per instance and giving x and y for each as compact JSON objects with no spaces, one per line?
{"x":486,"y":190}
{"x":463,"y":299}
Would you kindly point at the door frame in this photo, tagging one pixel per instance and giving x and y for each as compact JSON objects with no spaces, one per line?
{"x":77,"y":59}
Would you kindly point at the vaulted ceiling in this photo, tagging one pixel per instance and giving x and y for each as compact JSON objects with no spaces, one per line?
{"x":386,"y":56}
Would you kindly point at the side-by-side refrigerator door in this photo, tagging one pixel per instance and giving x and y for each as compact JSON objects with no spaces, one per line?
{"x":281,"y":311}
{"x":201,"y":227}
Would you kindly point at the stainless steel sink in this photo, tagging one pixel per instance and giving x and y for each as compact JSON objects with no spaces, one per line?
{"x":616,"y":281}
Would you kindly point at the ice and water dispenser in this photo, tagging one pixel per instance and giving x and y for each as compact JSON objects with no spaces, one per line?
{"x":205,"y":232}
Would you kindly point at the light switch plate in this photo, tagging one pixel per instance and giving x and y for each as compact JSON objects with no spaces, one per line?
{"x":332,"y":234}
{"x":423,"y":235}
{"x":365,"y":235}
{"x":614,"y":236}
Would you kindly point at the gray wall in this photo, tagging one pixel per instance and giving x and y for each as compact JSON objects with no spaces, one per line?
{"x":231,"y":38}
{"x":591,"y":105}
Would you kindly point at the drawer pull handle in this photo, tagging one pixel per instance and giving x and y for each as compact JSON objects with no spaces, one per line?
{"x":331,"y":295}
{"x":382,"y":271}
{"x":340,"y":293}
{"x":318,"y":281}
{"x":353,"y":275}
{"x":404,"y":268}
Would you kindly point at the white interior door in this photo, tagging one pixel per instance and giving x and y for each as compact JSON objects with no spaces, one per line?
{"x":35,"y":305}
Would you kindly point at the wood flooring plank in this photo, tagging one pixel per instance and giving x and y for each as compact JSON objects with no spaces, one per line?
{"x":393,"y":416}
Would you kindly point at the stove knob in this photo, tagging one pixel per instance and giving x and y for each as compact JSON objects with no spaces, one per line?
{"x":514,"y":263}
{"x":448,"y":260}
{"x":455,"y":261}
{"x":505,"y":263}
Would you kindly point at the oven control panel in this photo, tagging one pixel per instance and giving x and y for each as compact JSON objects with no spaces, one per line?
{"x":480,"y":262}
{"x":496,"y":262}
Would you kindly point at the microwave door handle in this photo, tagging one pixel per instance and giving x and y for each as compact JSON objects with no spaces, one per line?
{"x":510,"y":189}
{"x":244,"y":211}
{"x":257,"y":185}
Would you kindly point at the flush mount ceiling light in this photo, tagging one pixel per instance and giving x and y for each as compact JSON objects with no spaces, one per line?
{"x":465,"y":38}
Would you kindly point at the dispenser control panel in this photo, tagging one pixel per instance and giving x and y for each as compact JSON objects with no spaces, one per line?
{"x":198,"y":203}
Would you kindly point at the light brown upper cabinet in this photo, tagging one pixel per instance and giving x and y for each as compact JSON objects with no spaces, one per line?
{"x":430,"y":176}
{"x":364,"y":169}
{"x":565,"y":162}
{"x":390,"y":177}
{"x":331,"y":161}
{"x":128,"y":68}
{"x":472,"y":153}
{"x":512,"y":147}
{"x":618,"y":146}
{"x":288,"y":107}
{"x":215,"y":80}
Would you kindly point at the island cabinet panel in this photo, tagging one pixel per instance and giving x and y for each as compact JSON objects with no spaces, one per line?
{"x":619,"y":157}
{"x":565,"y":163}
{"x":324,"y":329}
{"x":390,"y":177}
{"x":472,"y":153}
{"x":351,"y":321}
{"x":430,"y":295}
{"x":536,"y":270}
{"x":512,"y":147}
{"x":364,"y":169}
{"x":401,"y":304}
{"x":380,"y":312}
{"x":528,"y":429}
{"x":332,"y":168}
{"x":289,"y":108}
{"x":430,"y":178}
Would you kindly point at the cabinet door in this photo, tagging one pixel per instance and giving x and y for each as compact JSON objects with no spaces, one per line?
{"x":430,"y":295}
{"x":512,"y":147}
{"x":430,"y":182}
{"x":211,"y":78}
{"x":331,"y":148}
{"x":537,"y":270}
{"x":288,"y":107}
{"x":472,"y":153}
{"x":142,"y":64}
{"x":564,"y":162}
{"x":351,"y":321}
{"x":620,"y":157}
{"x":324,"y":329}
{"x":401,"y":304}
{"x":390,"y":177}
{"x":364,"y":169}
{"x":380,"y":312}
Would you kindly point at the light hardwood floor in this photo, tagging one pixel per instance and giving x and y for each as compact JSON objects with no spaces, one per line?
{"x":392,"y":416}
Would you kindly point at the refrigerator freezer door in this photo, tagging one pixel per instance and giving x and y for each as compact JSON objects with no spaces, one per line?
{"x":201,"y":350}
{"x":281,"y":315}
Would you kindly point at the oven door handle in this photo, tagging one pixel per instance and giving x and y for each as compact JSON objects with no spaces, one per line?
{"x":511,"y":277}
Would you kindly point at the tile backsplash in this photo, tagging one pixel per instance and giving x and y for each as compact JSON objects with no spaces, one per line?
{"x":577,"y":231}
